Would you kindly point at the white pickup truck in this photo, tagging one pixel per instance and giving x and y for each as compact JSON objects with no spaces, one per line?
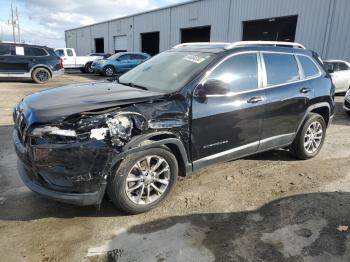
{"x":72,"y":61}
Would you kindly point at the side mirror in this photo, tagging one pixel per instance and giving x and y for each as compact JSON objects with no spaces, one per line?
{"x":214,"y":87}
{"x":330,"y":70}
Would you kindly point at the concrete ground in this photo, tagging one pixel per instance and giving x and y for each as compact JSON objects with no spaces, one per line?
{"x":268,"y":207}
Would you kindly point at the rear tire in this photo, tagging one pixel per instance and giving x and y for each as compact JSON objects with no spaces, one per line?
{"x":136,"y":188}
{"x":108,"y":71}
{"x":310,"y":138}
{"x":41,"y":75}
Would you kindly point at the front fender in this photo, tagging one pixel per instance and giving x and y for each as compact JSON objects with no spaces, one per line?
{"x":145,"y":142}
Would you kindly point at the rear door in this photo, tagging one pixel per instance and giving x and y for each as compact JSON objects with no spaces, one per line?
{"x":228,"y":126}
{"x":287,"y":98}
{"x":18,"y":62}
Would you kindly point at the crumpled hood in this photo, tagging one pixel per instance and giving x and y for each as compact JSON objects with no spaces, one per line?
{"x":49,"y":105}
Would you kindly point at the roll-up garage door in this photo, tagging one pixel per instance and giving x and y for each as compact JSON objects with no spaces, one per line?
{"x":120,"y":43}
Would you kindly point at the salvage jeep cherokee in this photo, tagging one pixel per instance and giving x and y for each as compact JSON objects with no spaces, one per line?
{"x":194,"y":105}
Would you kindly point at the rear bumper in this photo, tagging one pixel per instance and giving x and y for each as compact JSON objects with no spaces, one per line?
{"x":54,"y":180}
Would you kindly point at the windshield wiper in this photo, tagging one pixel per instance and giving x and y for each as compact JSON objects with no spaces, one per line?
{"x":136,"y":86}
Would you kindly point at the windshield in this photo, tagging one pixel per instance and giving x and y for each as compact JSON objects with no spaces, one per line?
{"x":114,"y":57}
{"x":168,"y":71}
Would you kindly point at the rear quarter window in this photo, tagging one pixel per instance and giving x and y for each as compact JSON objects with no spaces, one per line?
{"x":280,"y":68}
{"x":309,"y":67}
{"x":39,"y":51}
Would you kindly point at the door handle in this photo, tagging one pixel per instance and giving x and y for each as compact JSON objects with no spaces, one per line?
{"x":305,"y":90}
{"x":255,"y":99}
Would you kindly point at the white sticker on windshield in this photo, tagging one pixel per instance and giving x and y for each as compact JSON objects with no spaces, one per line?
{"x":19,"y":50}
{"x":194,"y":59}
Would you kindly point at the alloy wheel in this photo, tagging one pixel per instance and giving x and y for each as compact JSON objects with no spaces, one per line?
{"x":313,"y":137}
{"x":42,"y":75}
{"x":109,"y":71}
{"x":147,"y":180}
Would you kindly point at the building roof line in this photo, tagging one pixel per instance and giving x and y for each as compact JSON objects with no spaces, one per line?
{"x":136,"y":14}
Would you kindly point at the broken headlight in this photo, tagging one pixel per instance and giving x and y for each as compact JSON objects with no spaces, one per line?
{"x":52,"y":130}
{"x":119,"y":128}
{"x":52,"y":134}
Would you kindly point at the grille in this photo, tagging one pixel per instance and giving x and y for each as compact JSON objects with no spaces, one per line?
{"x":20,"y":125}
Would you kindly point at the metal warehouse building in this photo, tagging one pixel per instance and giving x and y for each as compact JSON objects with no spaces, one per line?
{"x":321,"y":25}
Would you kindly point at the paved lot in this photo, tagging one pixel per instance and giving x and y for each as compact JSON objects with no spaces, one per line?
{"x":268,"y":207}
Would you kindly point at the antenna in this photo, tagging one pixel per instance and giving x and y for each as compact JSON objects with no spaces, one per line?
{"x":13,"y":25}
{"x":17,"y":20}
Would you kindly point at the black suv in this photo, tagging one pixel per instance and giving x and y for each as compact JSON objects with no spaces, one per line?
{"x":30,"y":61}
{"x":184,"y":109}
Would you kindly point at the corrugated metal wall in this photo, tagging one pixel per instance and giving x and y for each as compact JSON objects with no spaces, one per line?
{"x":323,"y":25}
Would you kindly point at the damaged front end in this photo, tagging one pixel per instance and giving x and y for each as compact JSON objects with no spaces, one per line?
{"x":71,"y":159}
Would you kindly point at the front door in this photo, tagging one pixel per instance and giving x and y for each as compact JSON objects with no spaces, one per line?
{"x":228,"y":126}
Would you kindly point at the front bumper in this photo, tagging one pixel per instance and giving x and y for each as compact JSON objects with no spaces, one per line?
{"x":55,"y":178}
{"x":98,"y":69}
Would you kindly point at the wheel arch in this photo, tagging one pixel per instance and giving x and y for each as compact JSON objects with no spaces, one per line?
{"x":158,"y":139}
{"x":39,"y":66}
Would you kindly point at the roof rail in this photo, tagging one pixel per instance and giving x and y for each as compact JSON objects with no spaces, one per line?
{"x":273,"y":43}
{"x":202,"y":44}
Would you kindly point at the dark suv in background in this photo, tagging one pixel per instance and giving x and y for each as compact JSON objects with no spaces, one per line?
{"x":189,"y":107}
{"x":30,"y":61}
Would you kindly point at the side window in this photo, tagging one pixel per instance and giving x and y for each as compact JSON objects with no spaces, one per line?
{"x":28,"y":51}
{"x":240,"y":72}
{"x":280,"y":68}
{"x":39,"y":51}
{"x":69,"y":52}
{"x":342,"y":66}
{"x":124,"y":57}
{"x":329,"y":67}
{"x":5,"y":49}
{"x":139,"y":57}
{"x":59,"y":52}
{"x":308,"y":66}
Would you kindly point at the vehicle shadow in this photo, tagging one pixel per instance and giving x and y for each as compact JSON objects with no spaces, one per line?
{"x":307,"y":227}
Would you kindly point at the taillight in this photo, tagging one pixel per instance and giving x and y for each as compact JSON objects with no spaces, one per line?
{"x":60,"y":63}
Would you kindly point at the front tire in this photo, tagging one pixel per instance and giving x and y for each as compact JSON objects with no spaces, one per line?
{"x":143,"y":180}
{"x":310,"y":138}
{"x":109,"y":71}
{"x":41,"y":75}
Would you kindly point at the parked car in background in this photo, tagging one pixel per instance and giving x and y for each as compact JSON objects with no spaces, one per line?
{"x":340,"y":72}
{"x":39,"y":63}
{"x":347,"y":102}
{"x":72,"y":61}
{"x":184,"y":109}
{"x":119,"y":63}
